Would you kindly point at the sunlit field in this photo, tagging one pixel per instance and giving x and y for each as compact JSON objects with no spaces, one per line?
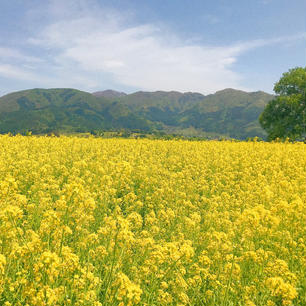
{"x":143,"y":222}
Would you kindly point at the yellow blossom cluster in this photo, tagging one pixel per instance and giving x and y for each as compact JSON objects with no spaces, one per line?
{"x":150,"y":222}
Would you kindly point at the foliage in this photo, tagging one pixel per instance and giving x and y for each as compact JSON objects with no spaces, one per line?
{"x":91,"y":222}
{"x":285,"y":115}
{"x":229,"y":113}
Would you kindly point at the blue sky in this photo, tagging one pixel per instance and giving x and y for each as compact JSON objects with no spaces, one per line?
{"x":130,"y":45}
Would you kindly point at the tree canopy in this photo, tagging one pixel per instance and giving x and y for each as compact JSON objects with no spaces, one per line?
{"x":285,"y":115}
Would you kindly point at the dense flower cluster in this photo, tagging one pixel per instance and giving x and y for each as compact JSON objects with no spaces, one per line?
{"x":140,"y":222}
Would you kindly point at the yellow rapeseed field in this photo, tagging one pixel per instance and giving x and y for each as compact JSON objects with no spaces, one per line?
{"x":150,"y":222}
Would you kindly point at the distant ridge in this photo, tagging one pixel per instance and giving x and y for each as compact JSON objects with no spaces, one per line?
{"x":227,"y":113}
{"x":109,"y":93}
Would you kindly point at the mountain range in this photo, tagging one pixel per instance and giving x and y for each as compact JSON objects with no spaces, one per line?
{"x":227,"y":113}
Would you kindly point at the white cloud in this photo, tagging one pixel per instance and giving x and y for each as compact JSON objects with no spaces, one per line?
{"x":61,"y":77}
{"x":10,"y":53}
{"x":139,"y":56}
{"x":86,"y":45}
{"x":14,"y":72}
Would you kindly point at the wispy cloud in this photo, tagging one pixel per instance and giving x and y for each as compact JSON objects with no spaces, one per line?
{"x":85,"y":44}
{"x":141,"y":56}
{"x":14,"y":72}
{"x":16,"y":55}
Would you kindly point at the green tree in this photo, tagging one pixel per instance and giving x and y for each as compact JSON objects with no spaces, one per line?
{"x":285,"y":115}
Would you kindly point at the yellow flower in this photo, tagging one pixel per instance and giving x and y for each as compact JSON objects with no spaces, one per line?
{"x":281,"y":289}
{"x":92,"y":221}
{"x":2,"y":264}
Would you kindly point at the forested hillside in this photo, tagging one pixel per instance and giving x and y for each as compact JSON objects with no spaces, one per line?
{"x":229,"y":112}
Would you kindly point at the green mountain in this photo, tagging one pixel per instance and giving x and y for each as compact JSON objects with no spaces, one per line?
{"x":160,"y":106}
{"x":110,"y":94}
{"x":63,"y":110}
{"x":229,"y":112}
